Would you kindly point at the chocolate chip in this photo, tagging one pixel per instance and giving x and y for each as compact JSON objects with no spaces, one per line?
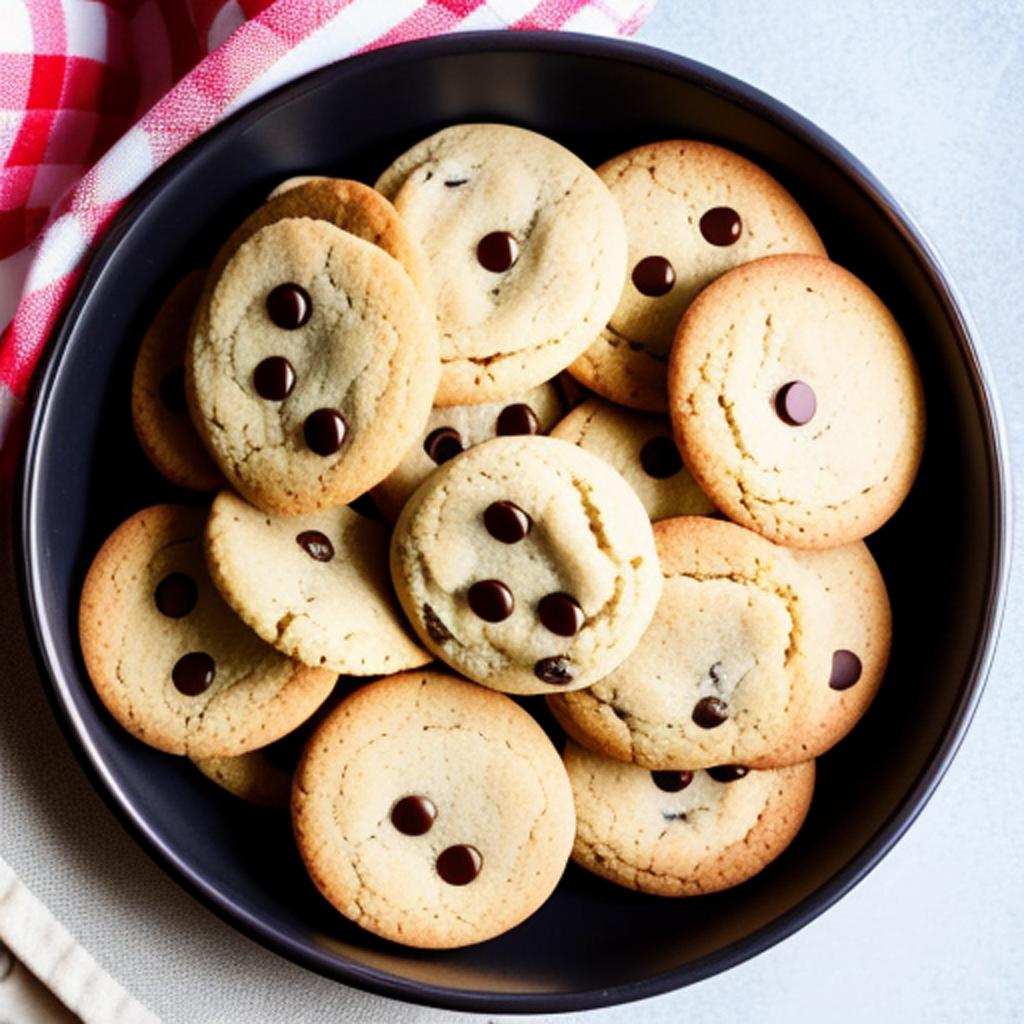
{"x":176,"y":595}
{"x":289,"y":306}
{"x":846,"y":670}
{"x":436,"y":629}
{"x":557,"y":670}
{"x":497,"y":251}
{"x":172,"y":391}
{"x":659,"y":458}
{"x":491,"y":600}
{"x":709,"y":712}
{"x":413,"y":815}
{"x":274,"y":378}
{"x":193,"y":673}
{"x":517,"y":419}
{"x":671,"y":781}
{"x":654,"y":276}
{"x":561,"y":614}
{"x":316,"y":544}
{"x":324,"y":431}
{"x":727,"y":772}
{"x":455,"y":182}
{"x":795,"y":403}
{"x":506,"y":522}
{"x":443,"y":444}
{"x":721,"y":225}
{"x":459,"y":865}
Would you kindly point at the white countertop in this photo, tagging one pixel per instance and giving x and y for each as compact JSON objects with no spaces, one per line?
{"x":930,"y":96}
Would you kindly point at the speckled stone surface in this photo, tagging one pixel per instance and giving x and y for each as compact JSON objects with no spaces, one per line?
{"x":926,"y":93}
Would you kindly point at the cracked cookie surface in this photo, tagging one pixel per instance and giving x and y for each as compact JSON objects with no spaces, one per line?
{"x":740,"y":635}
{"x":170,"y":660}
{"x":692,"y":211}
{"x":526,"y":564}
{"x":640,"y":446}
{"x":682,"y":833}
{"x":796,"y":401}
{"x":311,"y":367}
{"x":159,"y":409}
{"x":527,"y":250}
{"x":454,"y":428}
{"x":432,"y":812}
{"x":316,"y":587}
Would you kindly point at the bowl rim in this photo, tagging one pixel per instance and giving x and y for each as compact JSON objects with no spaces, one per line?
{"x":27,"y":558}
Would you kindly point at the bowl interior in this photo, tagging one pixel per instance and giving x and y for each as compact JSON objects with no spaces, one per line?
{"x":592,"y":943}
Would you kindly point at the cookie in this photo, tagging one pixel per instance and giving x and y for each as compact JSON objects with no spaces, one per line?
{"x":254,"y":777}
{"x":311,"y":367}
{"x":159,"y":409}
{"x":741,"y":633}
{"x":349,"y":205}
{"x":451,"y":429}
{"x":527,"y":249}
{"x":796,"y":401}
{"x":171,"y":662}
{"x":432,"y":812}
{"x":682,"y":833}
{"x":527,"y":564}
{"x":316,"y":587}
{"x":692,"y":212}
{"x":640,"y":446}
{"x":859,"y":642}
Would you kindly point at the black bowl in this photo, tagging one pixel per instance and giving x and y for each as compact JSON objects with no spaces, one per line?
{"x":944,"y":554}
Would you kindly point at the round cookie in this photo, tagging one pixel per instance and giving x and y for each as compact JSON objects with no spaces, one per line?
{"x":349,"y":205}
{"x":169,"y":659}
{"x":692,"y":212}
{"x":432,"y":812}
{"x":527,"y":248}
{"x":860,"y":638}
{"x":311,"y":367}
{"x":796,"y":401}
{"x":253,"y":777}
{"x":682,"y":833}
{"x":640,"y":446}
{"x":159,"y":409}
{"x":740,"y":635}
{"x":451,"y":429}
{"x":527,"y":564}
{"x":316,"y":587}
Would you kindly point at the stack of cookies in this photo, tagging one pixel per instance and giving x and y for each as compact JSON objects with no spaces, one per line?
{"x":678,"y":568}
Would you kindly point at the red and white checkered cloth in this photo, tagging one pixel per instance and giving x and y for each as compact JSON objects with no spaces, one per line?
{"x":89,"y":108}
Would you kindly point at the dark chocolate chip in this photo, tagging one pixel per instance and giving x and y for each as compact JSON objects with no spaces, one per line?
{"x":491,"y":600}
{"x":727,"y":772}
{"x":557,"y":670}
{"x":721,"y":225}
{"x":324,"y":431}
{"x":176,"y":595}
{"x":443,"y":444}
{"x":795,"y":403}
{"x":654,"y":276}
{"x":413,"y":815}
{"x":193,"y":673}
{"x":659,"y":458}
{"x":289,"y":306}
{"x":709,"y":712}
{"x":274,"y":378}
{"x":561,"y":614}
{"x":436,"y":629}
{"x":497,"y":251}
{"x":455,"y":182}
{"x":459,"y":865}
{"x":846,"y":670}
{"x":517,"y":419}
{"x":506,"y":522}
{"x":316,"y":544}
{"x":671,"y":781}
{"x":172,"y":391}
